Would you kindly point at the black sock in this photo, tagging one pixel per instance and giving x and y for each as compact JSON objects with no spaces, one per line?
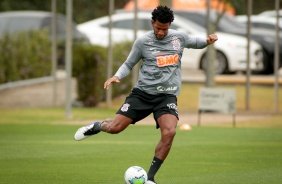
{"x":156,"y":164}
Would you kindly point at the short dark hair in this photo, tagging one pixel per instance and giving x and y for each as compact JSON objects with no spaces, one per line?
{"x":162,"y":14}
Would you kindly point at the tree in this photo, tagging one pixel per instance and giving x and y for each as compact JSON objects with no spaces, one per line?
{"x":221,"y":9}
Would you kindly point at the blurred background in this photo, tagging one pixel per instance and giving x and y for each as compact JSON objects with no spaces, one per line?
{"x":29,"y":77}
{"x":86,"y":10}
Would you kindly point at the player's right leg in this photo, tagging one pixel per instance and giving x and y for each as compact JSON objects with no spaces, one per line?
{"x":116,"y":125}
{"x":110,"y":126}
{"x":88,"y":130}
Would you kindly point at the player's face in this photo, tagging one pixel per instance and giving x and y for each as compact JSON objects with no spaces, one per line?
{"x":160,"y":29}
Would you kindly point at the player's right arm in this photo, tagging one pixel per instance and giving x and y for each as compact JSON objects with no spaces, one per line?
{"x":124,"y":70}
{"x":111,"y":80}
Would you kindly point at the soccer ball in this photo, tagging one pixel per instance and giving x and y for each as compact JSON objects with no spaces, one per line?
{"x":135,"y":175}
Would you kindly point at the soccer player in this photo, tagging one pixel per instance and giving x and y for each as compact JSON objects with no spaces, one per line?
{"x":158,"y":84}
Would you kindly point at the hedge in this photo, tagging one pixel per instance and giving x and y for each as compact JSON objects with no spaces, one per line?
{"x":90,"y":71}
{"x":27,"y":55}
{"x":24,"y":55}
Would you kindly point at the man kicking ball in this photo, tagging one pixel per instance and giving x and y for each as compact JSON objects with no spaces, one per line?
{"x":158,"y":84}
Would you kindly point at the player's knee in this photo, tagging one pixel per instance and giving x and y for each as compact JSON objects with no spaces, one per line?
{"x":172,"y":133}
{"x":167,"y":137}
{"x":169,"y":133}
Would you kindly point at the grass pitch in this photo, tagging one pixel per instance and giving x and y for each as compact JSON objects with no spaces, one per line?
{"x":44,"y":153}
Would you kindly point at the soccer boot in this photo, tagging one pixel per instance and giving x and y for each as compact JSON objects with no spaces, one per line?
{"x":87,"y":131}
{"x":150,"y":182}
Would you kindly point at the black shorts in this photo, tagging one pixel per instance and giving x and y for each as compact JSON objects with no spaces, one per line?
{"x":139,"y":105}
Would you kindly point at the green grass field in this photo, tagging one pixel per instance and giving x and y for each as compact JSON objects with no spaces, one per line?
{"x":44,"y":153}
{"x":37,"y":146}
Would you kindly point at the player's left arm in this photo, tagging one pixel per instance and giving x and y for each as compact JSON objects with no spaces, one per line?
{"x":211,"y":39}
{"x":196,"y":42}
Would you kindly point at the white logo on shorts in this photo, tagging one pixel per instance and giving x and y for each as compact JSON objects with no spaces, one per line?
{"x":124,"y":108}
{"x":173,"y":106}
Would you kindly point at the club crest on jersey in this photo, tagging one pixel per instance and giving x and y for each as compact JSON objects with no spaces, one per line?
{"x":125,"y":107}
{"x":176,"y":44}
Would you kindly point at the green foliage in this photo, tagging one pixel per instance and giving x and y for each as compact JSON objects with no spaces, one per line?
{"x":120,"y":52}
{"x":24,"y":55}
{"x":90,"y":70}
{"x":89,"y":64}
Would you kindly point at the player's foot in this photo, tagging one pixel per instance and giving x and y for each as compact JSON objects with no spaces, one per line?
{"x":86,"y":131}
{"x":150,"y":182}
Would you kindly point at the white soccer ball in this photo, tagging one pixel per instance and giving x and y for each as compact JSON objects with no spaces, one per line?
{"x":135,"y":175}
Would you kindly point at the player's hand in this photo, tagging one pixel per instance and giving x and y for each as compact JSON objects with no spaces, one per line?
{"x":111,"y":80}
{"x":211,"y":39}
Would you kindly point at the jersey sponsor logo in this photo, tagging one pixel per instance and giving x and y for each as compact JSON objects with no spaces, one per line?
{"x":172,"y":88}
{"x":167,"y":60}
{"x":172,"y":106}
{"x":125,"y":107}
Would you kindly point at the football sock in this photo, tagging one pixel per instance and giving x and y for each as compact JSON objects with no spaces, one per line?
{"x":100,"y":125}
{"x":156,"y":164}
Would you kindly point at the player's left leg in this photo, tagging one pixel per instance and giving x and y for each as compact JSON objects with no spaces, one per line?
{"x":167,"y":123}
